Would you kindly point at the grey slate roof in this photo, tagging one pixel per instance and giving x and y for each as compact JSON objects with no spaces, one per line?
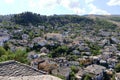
{"x":117,"y":75}
{"x":14,"y":68}
{"x":63,"y":71}
{"x":40,"y":77}
{"x":95,"y":69}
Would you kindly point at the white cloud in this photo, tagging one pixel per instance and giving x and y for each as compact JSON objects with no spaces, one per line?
{"x":95,"y":10}
{"x":79,"y":11}
{"x":114,"y":3}
{"x":88,"y":1}
{"x":47,"y":3}
{"x":32,"y":4}
{"x":71,"y":5}
{"x":9,"y":1}
{"x":90,"y":7}
{"x":43,"y":4}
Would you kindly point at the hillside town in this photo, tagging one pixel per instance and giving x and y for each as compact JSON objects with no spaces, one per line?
{"x":58,"y":53}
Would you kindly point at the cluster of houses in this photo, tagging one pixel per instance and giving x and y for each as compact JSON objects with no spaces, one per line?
{"x":86,"y":63}
{"x":62,"y":67}
{"x":96,"y":65}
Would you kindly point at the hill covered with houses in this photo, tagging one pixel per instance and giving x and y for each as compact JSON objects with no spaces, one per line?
{"x":70,"y":47}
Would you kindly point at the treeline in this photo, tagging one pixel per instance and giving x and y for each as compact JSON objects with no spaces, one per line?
{"x":55,"y":20}
{"x":27,"y":18}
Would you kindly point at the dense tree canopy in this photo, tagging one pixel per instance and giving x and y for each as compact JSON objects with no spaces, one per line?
{"x":56,"y":20}
{"x":18,"y":55}
{"x":117,"y":67}
{"x":28,"y":18}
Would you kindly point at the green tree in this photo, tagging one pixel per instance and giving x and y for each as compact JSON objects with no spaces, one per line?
{"x":18,"y":55}
{"x":74,"y":69}
{"x":72,"y":75}
{"x":117,"y":67}
{"x":59,"y":51}
{"x":6,"y":46}
{"x":31,"y":34}
{"x":2,"y":51}
{"x":87,"y":77}
{"x":3,"y":58}
{"x":94,"y":48}
{"x":113,"y":77}
{"x":21,"y":56}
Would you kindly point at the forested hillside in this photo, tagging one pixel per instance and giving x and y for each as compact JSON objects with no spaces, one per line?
{"x":63,"y":20}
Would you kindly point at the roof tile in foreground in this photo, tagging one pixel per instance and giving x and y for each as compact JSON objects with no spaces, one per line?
{"x":14,"y":68}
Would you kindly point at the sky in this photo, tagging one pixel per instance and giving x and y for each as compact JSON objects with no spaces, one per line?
{"x":51,"y":7}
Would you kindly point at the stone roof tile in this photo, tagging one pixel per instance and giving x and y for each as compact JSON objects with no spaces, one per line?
{"x":14,"y":68}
